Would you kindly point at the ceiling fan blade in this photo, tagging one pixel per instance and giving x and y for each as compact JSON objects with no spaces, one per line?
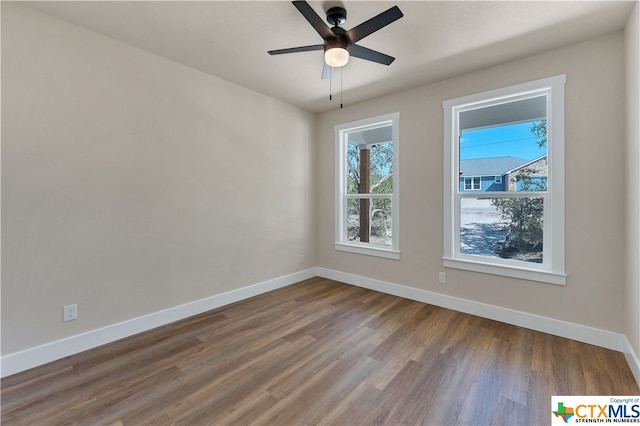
{"x":296,"y":49}
{"x":374,"y":24}
{"x":370,"y":55}
{"x":316,"y":21}
{"x":326,"y":71}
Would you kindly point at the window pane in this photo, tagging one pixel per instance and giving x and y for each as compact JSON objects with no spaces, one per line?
{"x":381,"y":221}
{"x":510,"y":228}
{"x":378,"y":230}
{"x":353,"y":219}
{"x":382,"y":168}
{"x":506,"y":145}
{"x":379,"y":171}
{"x":353,"y":169}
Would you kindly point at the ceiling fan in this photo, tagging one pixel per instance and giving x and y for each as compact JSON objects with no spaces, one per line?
{"x":338,"y":43}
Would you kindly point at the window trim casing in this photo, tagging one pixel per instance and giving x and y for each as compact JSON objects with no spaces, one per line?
{"x":340,"y":243}
{"x":553,"y":268}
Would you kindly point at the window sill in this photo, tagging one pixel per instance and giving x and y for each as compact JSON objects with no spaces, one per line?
{"x":507,"y":271}
{"x":368,"y":250}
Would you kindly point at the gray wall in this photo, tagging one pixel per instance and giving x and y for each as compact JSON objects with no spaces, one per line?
{"x":132,"y":184}
{"x":632,"y":180}
{"x":595,"y":232}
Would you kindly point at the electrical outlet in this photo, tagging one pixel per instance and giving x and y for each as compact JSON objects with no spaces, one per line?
{"x":442,"y":277}
{"x":70,"y":312}
{"x":301,"y":259}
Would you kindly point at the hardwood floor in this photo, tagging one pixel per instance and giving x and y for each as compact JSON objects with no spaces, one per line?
{"x":318,"y":352}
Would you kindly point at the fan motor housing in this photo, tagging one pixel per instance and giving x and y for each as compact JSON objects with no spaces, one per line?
{"x":338,"y":42}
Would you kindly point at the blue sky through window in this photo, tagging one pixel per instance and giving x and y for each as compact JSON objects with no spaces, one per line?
{"x":514,"y":140}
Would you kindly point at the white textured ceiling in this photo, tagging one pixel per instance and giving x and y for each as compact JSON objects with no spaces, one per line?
{"x":434,"y":39}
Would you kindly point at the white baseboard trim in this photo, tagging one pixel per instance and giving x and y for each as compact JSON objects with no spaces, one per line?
{"x":581,"y":333}
{"x":43,"y":354}
{"x":632,"y":359}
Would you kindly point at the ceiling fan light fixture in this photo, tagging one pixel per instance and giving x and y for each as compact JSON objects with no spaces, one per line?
{"x":337,"y":41}
{"x":336,"y":56}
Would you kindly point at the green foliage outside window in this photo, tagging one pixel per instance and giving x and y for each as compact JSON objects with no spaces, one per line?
{"x":524,"y":216}
{"x":381,"y":182}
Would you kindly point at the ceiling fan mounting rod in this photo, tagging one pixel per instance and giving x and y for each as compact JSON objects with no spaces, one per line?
{"x":336,"y":16}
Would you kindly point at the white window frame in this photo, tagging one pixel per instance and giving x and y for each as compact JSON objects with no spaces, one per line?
{"x":552,"y":269}
{"x":464,"y":183}
{"x":342,"y":243}
{"x":498,"y":179}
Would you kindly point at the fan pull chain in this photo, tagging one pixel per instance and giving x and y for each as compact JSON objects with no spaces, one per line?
{"x":330,"y":80}
{"x":341,"y":87}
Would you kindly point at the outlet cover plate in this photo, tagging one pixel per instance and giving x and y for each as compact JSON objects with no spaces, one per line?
{"x":70,"y":312}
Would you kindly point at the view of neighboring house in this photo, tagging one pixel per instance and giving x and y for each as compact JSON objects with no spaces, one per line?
{"x":500,"y":173}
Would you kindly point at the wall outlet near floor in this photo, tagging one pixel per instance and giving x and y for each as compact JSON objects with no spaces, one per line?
{"x":442,"y":277}
{"x":70,"y":312}
{"x":301,"y":259}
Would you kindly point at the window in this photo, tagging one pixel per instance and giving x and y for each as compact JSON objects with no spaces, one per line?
{"x":472,"y":183}
{"x":367,"y":186}
{"x":515,"y":228}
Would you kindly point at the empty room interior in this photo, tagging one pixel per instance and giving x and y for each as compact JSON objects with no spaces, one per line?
{"x":275,"y":212}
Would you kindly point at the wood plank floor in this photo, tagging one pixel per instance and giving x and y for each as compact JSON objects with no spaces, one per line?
{"x":318,"y":352}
